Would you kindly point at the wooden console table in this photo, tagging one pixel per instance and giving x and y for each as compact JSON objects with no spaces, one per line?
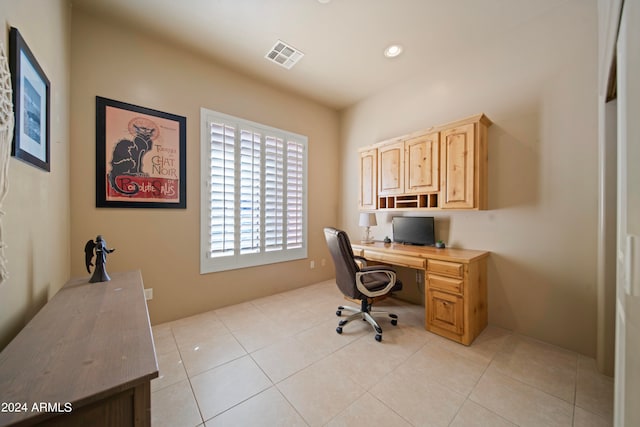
{"x":87,"y":358}
{"x":455,"y":285}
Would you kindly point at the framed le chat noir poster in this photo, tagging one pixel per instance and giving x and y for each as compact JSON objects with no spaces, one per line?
{"x":140,"y":157}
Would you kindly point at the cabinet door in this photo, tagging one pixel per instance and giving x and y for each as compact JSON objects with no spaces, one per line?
{"x":422,"y":161}
{"x":445,"y":311}
{"x":391,"y":169}
{"x":368,"y":179}
{"x":458,"y":178}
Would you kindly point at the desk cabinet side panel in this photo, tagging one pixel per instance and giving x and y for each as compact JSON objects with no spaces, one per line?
{"x":478,"y":311}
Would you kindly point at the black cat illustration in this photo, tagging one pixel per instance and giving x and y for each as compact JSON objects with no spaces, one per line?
{"x":127,"y":157}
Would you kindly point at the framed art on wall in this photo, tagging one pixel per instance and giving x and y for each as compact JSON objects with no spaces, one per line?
{"x":140,"y":157}
{"x":31,"y":100}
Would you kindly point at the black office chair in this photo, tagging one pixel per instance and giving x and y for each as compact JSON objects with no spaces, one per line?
{"x":363,"y":283}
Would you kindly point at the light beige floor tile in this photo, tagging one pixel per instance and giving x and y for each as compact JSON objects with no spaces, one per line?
{"x":520,"y":403}
{"x":198,"y":329}
{"x":594,"y":391}
{"x":211,"y":353}
{"x":171,"y":370}
{"x":484,"y":347}
{"x":174,"y":406}
{"x":195,"y":320}
{"x":161,"y":330}
{"x":241,"y":316}
{"x":417,"y":399}
{"x":544,"y":366}
{"x":225,"y":386}
{"x":269,"y":408}
{"x":290,"y":311}
{"x":319,"y":393}
{"x":582,"y":418}
{"x":435,"y":363}
{"x":261,"y":334}
{"x":327,"y":305}
{"x":368,"y":411}
{"x":473,"y":415}
{"x":165,"y":344}
{"x":284,"y":358}
{"x":366,"y":360}
{"x":296,"y":321}
{"x":324,"y":338}
{"x":275,"y":306}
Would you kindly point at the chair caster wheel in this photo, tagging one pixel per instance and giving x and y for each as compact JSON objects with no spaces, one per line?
{"x":378,"y":337}
{"x":339,"y":330}
{"x":394,"y":322}
{"x":338,"y":313}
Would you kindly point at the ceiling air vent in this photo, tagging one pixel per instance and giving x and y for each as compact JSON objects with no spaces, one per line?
{"x":284,"y":55}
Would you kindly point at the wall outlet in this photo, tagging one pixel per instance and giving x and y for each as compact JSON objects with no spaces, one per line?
{"x":148,"y":294}
{"x":323,"y":262}
{"x":312,"y":264}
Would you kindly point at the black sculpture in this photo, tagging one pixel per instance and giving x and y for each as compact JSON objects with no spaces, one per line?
{"x":100,"y":247}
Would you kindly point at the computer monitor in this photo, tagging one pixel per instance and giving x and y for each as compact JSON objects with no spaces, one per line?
{"x":414,"y":230}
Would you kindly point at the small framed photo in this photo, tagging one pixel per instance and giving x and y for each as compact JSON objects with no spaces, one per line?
{"x":31,"y":99}
{"x":140,"y":157}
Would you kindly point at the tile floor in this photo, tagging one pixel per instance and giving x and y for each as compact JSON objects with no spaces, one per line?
{"x":277,"y":361}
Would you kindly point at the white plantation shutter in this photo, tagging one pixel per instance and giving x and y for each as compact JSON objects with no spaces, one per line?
{"x":295,"y":194}
{"x":250,"y":192}
{"x":274,"y":194}
{"x":222,"y":189}
{"x":253,"y":196}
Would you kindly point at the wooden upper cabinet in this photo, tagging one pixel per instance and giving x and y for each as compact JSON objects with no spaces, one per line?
{"x":391,"y":168}
{"x":368,"y":179}
{"x":458,"y":164}
{"x":442,"y":167}
{"x":463,"y":163}
{"x":422,"y":161}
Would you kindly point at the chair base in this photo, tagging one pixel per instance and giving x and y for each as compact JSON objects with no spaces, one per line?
{"x":364,"y":313}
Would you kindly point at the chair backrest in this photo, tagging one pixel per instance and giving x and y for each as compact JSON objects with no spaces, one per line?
{"x":345,"y":265}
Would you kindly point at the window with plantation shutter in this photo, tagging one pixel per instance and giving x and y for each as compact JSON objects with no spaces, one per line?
{"x":253,"y":194}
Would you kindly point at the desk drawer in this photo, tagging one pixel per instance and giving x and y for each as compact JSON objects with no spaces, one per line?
{"x":445,"y":267}
{"x":395,"y":259}
{"x":446,"y":284}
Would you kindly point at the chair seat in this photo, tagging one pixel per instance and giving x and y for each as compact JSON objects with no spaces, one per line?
{"x":376,"y":281}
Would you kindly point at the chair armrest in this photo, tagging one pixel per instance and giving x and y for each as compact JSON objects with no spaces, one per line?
{"x":376,"y":269}
{"x":361,"y":261}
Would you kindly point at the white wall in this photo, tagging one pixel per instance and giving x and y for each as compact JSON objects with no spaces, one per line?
{"x":538,"y":84}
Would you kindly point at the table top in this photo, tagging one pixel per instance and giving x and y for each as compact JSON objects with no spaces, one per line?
{"x":91,"y":340}
{"x":446,"y":254}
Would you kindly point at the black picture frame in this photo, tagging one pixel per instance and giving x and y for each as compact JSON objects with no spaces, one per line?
{"x":140,"y":157}
{"x":31,"y":103}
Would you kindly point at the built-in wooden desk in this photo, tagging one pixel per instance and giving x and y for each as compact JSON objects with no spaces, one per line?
{"x":455,"y":285}
{"x":86,"y":359}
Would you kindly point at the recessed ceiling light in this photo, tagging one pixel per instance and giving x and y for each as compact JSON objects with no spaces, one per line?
{"x":324,"y":1}
{"x":393,"y":51}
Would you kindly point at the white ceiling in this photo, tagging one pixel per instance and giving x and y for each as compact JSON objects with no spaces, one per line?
{"x":343,"y":40}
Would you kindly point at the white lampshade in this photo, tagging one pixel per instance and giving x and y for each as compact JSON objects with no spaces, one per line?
{"x":367,"y":219}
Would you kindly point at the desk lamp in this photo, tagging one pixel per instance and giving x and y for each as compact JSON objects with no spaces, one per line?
{"x":367,"y":219}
